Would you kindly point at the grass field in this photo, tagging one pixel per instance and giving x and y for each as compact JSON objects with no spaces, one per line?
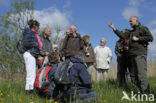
{"x":13,"y":91}
{"x":108,"y":92}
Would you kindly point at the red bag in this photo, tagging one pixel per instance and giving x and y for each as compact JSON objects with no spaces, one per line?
{"x":42,"y":83}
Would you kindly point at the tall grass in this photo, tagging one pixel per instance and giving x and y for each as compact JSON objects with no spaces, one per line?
{"x":12,"y":90}
{"x":108,"y":92}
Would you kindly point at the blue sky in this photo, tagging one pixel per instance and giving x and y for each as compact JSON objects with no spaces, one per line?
{"x":92,"y":16}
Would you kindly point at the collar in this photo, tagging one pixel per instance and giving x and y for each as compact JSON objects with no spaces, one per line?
{"x":34,"y":30}
{"x":87,"y":44}
{"x":102,"y":46}
{"x":137,"y":26}
{"x":45,"y":37}
{"x":71,"y":35}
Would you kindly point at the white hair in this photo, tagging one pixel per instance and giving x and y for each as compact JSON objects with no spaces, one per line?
{"x":46,"y":29}
{"x":55,"y":46}
{"x":103,"y":39}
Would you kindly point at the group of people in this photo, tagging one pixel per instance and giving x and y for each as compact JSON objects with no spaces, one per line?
{"x":131,"y":51}
{"x":39,"y":50}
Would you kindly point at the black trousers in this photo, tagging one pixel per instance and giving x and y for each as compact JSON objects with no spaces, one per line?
{"x":123,"y":65}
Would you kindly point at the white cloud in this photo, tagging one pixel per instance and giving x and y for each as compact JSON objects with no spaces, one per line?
{"x":152,"y":46}
{"x":153,"y":31}
{"x":53,"y":18}
{"x":130,"y":12}
{"x":50,"y":17}
{"x":133,"y":9}
{"x":152,"y":24}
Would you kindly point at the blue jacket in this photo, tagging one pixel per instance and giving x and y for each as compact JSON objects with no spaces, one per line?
{"x":30,"y":41}
{"x":83,"y":83}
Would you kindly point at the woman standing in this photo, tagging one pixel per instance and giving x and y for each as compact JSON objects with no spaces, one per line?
{"x":33,"y":45}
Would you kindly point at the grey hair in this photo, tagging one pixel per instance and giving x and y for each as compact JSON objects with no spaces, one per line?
{"x":46,"y":29}
{"x":75,"y":27}
{"x":135,"y":17}
{"x":104,"y":39}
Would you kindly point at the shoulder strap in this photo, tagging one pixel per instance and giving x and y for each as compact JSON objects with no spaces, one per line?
{"x":76,"y":67}
{"x":44,"y":73}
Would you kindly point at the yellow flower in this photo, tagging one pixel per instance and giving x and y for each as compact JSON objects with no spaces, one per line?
{"x":31,"y":102}
{"x":8,"y":86}
{"x":47,"y":101}
{"x":1,"y":99}
{"x":55,"y":102}
{"x":100,"y":96}
{"x":1,"y":94}
{"x":20,"y":100}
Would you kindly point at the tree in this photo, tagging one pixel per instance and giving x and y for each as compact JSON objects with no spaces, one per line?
{"x":58,"y":37}
{"x":11,"y":26}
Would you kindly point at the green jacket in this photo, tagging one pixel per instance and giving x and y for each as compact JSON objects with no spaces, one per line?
{"x":137,"y":47}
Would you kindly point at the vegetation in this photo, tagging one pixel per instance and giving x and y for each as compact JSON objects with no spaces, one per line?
{"x":11,"y":27}
{"x":108,"y":92}
{"x":12,"y":24}
{"x":12,"y":72}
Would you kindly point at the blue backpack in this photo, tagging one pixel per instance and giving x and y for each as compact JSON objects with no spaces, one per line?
{"x":62,"y":75}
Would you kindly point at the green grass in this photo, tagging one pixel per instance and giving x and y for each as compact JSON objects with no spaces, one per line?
{"x":108,"y":92}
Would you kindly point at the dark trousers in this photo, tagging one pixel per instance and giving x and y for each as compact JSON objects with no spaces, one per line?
{"x":123,"y":63}
{"x":139,"y":68}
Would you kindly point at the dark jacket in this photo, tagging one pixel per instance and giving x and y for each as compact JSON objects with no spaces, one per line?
{"x":47,"y":45}
{"x":71,"y":45}
{"x":30,"y":41}
{"x":83,"y":83}
{"x":120,"y":48}
{"x":137,"y":47}
{"x":91,"y":57}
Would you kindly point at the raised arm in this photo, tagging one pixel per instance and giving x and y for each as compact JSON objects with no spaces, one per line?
{"x":120,"y":34}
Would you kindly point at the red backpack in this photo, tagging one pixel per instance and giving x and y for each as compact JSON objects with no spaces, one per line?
{"x":42,"y":83}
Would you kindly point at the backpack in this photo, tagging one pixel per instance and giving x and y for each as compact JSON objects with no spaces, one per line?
{"x":42,"y":83}
{"x":29,"y":39}
{"x":62,"y":75}
{"x":20,"y":46}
